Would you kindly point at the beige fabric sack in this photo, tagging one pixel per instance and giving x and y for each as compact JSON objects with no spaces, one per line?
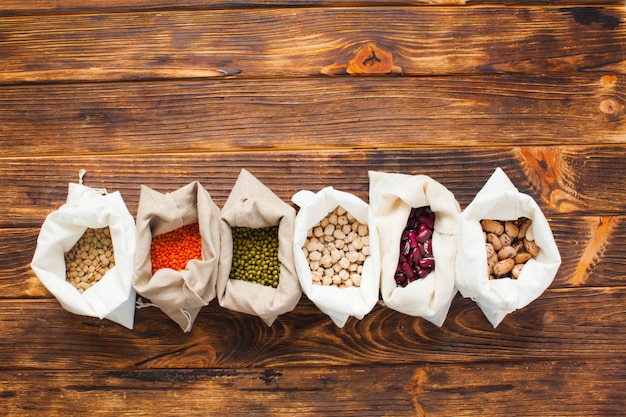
{"x":179,"y":294}
{"x":338,"y":303}
{"x":391,"y":198}
{"x":112,"y":297}
{"x":251,"y":204}
{"x":500,"y":200}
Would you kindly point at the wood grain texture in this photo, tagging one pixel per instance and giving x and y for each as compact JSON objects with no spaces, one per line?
{"x":591,"y":180}
{"x":53,"y":7}
{"x":518,"y":388}
{"x":590,"y":250}
{"x":301,"y":42}
{"x":550,"y":328}
{"x":306,"y":95}
{"x":316,"y":113}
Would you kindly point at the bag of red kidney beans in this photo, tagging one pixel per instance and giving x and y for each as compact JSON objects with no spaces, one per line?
{"x":417,"y":220}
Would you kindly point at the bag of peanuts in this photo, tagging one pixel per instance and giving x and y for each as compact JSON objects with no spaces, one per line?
{"x":417,"y":220}
{"x":507,"y":255}
{"x":337,"y":254}
{"x":85,"y":253}
{"x":257,"y":275}
{"x":178,"y":251}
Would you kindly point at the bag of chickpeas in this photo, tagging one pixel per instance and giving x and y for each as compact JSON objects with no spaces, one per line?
{"x":336,"y":252}
{"x":417,"y":220}
{"x":257,"y":275}
{"x":507,"y":256}
{"x":85,"y":253}
{"x":178,"y":251}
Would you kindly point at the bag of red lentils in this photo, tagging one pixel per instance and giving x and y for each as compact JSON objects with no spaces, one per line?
{"x":85,"y":253}
{"x":178,"y":250}
{"x":418,"y":221}
{"x":336,"y":252}
{"x":507,"y":256}
{"x":257,"y":274}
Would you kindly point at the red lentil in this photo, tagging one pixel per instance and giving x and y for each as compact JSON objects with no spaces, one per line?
{"x":174,"y":249}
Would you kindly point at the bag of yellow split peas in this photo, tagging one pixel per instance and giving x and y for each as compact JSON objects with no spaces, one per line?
{"x":85,"y":253}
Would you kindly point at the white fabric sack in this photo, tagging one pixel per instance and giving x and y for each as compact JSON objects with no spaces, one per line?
{"x":112,"y":297}
{"x":500,"y":200}
{"x":338,"y":303}
{"x":391,"y":198}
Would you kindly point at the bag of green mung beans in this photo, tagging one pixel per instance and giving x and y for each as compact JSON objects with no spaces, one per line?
{"x":85,"y":253}
{"x":179,"y":290}
{"x":257,"y":273}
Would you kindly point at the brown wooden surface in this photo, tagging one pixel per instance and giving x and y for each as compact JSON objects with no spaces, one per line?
{"x":163,"y":93}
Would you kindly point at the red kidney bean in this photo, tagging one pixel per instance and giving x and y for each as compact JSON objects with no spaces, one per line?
{"x":406,"y":247}
{"x":408,"y":271}
{"x":400,"y":279}
{"x":427,"y":263}
{"x":423,"y":233}
{"x":416,"y":256}
{"x":427,"y":219}
{"x":428,"y":248}
{"x":423,"y":272}
{"x":403,"y":259}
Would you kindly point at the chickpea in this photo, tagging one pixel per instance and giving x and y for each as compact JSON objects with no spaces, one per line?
{"x":336,"y":249}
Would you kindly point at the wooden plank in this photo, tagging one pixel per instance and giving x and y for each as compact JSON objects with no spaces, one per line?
{"x":315,"y":113}
{"x":297,"y":42}
{"x":530,"y":388}
{"x":49,"y":7}
{"x":39,"y":334}
{"x":590,"y":248}
{"x":563,"y":180}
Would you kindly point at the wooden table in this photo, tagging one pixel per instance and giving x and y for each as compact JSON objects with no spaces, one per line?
{"x":307,"y":94}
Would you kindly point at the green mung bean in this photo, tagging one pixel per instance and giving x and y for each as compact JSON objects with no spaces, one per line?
{"x":255,"y":255}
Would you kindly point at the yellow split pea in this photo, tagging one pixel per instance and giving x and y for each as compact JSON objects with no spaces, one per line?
{"x":90,"y":258}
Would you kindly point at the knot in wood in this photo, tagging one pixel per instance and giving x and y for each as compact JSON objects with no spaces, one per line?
{"x":370,"y":59}
{"x":609,"y":81}
{"x":608,"y":106}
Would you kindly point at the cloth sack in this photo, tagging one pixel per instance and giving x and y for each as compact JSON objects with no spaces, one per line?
{"x":252,"y":205}
{"x":179,"y":294}
{"x":338,"y":303}
{"x":500,"y":200}
{"x":112,"y":297}
{"x":391,"y":198}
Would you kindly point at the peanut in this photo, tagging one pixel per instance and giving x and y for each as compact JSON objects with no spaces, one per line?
{"x":517,"y":270}
{"x":494,"y":240}
{"x":503,"y":267}
{"x":508,"y":246}
{"x":492,"y":226}
{"x":507,"y":252}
